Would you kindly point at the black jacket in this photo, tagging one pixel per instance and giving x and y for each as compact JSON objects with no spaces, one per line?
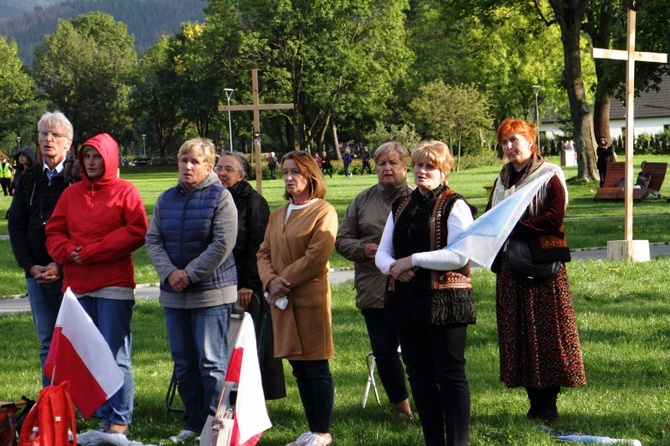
{"x":253,"y":214}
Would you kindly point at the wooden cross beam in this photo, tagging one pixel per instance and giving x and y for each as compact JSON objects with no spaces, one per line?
{"x":630,"y":56}
{"x":256,"y":107}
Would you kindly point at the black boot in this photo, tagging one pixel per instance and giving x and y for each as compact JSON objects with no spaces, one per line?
{"x":543,"y":403}
{"x":534,"y":403}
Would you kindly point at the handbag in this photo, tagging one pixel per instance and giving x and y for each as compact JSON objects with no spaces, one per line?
{"x":218,"y":429}
{"x":521,"y":263}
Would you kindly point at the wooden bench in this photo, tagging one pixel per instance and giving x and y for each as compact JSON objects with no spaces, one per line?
{"x":616,"y":171}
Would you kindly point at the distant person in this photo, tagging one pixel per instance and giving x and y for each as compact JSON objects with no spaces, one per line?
{"x":319,"y":161}
{"x":346,"y":160}
{"x":365,"y":158}
{"x":253,"y":213}
{"x":537,"y":329}
{"x":6,"y":175}
{"x":293,"y":264}
{"x":190,"y":243}
{"x":272,"y":165}
{"x":327,"y":166}
{"x":24,"y":160}
{"x":605,"y":154}
{"x":93,"y":231}
{"x":35,"y":197}
{"x":358,"y":240}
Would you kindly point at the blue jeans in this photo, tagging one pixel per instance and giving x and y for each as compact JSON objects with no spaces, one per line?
{"x":200,"y":353}
{"x":44,"y":300}
{"x":384,"y":342}
{"x":317,"y":392}
{"x":113,"y":318}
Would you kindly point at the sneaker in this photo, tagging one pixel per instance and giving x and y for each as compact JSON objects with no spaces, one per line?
{"x":318,"y":440}
{"x":182,"y":436}
{"x":301,"y":440}
{"x":110,"y":430}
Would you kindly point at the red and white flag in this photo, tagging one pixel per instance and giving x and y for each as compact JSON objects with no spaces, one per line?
{"x":80,"y":354}
{"x":251,"y":415}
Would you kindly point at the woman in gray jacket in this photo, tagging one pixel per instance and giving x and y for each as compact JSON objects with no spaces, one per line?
{"x":357,"y":240}
{"x":190,"y":243}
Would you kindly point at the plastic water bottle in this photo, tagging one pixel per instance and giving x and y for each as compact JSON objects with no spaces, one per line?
{"x":594,"y":439}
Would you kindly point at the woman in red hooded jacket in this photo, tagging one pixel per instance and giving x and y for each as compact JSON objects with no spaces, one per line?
{"x":97,"y":224}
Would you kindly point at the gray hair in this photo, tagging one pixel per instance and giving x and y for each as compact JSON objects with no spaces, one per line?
{"x":56,"y":119}
{"x":392,"y":146}
{"x":241,"y":162}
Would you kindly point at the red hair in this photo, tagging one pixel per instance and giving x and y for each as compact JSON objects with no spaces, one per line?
{"x":523,"y":128}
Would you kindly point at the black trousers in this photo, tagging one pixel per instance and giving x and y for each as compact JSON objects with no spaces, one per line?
{"x":435,"y":361}
{"x":384,"y":342}
{"x":317,"y":392}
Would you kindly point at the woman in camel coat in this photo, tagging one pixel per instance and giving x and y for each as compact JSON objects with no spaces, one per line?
{"x":293,"y":263}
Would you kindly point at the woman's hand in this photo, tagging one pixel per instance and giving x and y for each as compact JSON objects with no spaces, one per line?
{"x":277,"y":288}
{"x":401,"y":269}
{"x":74,"y":255}
{"x":178,"y":280}
{"x":370,"y":250}
{"x":244,"y":297}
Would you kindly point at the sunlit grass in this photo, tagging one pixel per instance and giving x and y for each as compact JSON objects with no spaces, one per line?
{"x":623,"y":313}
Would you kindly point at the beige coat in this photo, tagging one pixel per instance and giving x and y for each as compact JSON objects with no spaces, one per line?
{"x":299,"y":251}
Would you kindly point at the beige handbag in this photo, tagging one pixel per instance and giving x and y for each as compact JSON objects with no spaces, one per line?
{"x":218,"y":429}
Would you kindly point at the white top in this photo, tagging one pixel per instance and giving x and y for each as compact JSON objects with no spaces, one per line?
{"x":442,"y":259}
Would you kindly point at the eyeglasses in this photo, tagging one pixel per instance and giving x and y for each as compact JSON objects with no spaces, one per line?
{"x":54,"y":135}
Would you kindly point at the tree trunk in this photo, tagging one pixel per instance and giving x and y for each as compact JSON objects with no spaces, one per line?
{"x":336,"y":142}
{"x":569,"y":15}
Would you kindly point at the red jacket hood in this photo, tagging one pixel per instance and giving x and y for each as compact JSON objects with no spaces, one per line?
{"x":109,"y":150}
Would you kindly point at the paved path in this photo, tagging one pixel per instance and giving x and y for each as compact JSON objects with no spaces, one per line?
{"x":337,"y":276}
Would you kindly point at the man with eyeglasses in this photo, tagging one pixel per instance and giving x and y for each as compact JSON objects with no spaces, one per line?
{"x":35,"y":197}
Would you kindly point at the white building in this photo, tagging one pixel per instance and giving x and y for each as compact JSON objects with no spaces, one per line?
{"x":652,"y":115}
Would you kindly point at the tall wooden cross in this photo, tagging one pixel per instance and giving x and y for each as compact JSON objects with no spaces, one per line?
{"x":630,"y":56}
{"x":256,"y":107}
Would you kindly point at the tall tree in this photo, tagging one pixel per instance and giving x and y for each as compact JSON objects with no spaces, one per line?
{"x":18,"y":94}
{"x":155,"y":99}
{"x":335,"y":60}
{"x":452,"y":113}
{"x":86,"y":68}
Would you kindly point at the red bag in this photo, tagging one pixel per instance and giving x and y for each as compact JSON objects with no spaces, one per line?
{"x":53,"y":416}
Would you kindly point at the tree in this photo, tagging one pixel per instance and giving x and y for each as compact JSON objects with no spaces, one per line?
{"x":451,"y":114}
{"x":18,"y":95}
{"x":86,"y":68}
{"x":569,"y":14}
{"x":154,"y":99}
{"x":336,"y":61}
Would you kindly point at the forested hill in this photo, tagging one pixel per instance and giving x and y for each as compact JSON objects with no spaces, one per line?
{"x":147,"y":20}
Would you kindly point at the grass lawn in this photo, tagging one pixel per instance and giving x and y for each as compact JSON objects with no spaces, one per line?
{"x":622,"y":312}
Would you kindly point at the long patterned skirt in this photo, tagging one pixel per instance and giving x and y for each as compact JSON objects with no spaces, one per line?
{"x":537,"y":333}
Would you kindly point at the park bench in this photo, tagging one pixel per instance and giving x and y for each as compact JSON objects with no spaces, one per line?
{"x":613,"y":186}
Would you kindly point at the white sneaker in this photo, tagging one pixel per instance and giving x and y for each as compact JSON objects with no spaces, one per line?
{"x":301,"y":440}
{"x":182,"y":436}
{"x":318,"y":440}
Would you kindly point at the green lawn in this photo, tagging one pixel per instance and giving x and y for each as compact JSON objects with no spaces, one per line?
{"x":588,"y":224}
{"x":622,"y":311}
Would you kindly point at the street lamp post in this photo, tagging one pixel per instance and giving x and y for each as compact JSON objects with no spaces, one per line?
{"x":229,"y":93}
{"x":536,"y":90}
{"x":18,"y":143}
{"x":144,"y":143}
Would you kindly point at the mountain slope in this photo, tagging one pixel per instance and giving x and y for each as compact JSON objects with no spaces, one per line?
{"x":147,"y":20}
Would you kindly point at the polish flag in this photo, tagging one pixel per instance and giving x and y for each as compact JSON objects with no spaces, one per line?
{"x":251,"y":415}
{"x":80,"y":354}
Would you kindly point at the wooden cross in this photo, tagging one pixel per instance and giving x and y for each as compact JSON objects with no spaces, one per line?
{"x":630,"y":56}
{"x":256,"y":106}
